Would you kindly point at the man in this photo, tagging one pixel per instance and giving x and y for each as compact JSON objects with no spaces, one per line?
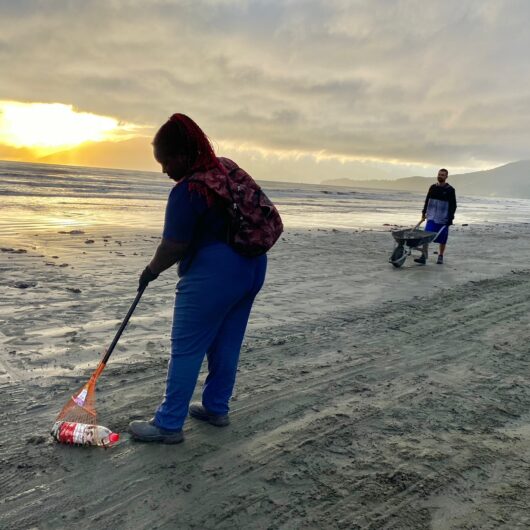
{"x":439,"y":210}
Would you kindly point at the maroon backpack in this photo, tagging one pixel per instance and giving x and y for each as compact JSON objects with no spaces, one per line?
{"x":254,"y":222}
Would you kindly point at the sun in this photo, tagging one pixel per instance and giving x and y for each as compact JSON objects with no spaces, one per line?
{"x":51,"y":127}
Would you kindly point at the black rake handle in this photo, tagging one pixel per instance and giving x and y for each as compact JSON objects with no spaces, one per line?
{"x":123,"y":326}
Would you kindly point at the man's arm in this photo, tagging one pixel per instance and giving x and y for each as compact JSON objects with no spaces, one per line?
{"x":424,"y":211}
{"x":452,"y":207}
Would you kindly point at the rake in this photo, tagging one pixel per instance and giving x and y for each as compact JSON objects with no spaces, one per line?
{"x":81,"y":408}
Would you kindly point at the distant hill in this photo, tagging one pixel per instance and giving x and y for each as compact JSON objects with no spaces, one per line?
{"x":510,"y":180}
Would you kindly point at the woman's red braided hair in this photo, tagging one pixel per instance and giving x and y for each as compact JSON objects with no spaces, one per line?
{"x":181,"y":136}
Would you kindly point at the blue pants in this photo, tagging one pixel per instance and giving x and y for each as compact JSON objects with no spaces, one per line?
{"x":431,"y":226}
{"x":212,"y":306}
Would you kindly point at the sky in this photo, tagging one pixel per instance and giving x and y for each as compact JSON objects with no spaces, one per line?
{"x":292,"y":90}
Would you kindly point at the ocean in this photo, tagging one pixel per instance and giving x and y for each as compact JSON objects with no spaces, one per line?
{"x":42,"y":197}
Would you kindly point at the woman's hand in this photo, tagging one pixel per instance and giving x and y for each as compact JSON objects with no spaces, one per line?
{"x":167,"y":254}
{"x":147,"y":276}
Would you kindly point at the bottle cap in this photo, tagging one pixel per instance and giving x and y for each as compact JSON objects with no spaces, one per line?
{"x":113,"y":437}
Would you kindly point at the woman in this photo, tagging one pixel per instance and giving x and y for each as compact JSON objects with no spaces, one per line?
{"x":215,"y":292}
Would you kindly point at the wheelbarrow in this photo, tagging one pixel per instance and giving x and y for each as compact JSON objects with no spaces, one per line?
{"x":408,"y":240}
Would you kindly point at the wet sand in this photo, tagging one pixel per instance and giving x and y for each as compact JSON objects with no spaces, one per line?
{"x":367,"y":396}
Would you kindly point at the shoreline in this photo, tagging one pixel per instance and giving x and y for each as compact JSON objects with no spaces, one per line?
{"x":90,"y":275}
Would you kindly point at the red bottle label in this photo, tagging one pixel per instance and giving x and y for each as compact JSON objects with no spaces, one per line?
{"x":66,"y":432}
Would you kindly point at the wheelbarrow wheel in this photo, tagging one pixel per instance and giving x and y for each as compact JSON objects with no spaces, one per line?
{"x":398,"y":256}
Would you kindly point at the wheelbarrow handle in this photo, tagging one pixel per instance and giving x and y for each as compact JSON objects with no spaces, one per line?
{"x":418,"y":225}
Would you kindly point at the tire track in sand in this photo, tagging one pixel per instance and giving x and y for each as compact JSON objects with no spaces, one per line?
{"x":342,"y":465}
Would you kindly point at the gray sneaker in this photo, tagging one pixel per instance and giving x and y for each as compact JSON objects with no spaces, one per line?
{"x":198,"y":412}
{"x":440,"y":260}
{"x":421,"y":260}
{"x":146,"y":431}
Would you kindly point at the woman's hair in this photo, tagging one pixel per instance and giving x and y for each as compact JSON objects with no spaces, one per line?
{"x":181,"y":137}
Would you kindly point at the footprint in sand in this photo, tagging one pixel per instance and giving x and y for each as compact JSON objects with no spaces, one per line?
{"x":151,"y":346}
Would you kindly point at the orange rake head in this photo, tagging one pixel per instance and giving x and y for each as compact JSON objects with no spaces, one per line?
{"x":81,"y":407}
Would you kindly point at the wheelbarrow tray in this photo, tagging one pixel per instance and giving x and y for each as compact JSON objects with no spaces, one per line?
{"x":413,"y":238}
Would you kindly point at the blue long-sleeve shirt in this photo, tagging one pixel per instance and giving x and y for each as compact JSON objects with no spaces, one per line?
{"x":191,"y":220}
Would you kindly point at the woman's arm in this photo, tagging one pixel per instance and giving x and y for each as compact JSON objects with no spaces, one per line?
{"x":166,"y":255}
{"x":180,"y":225}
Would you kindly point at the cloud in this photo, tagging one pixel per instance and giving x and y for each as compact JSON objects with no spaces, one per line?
{"x":409,"y":84}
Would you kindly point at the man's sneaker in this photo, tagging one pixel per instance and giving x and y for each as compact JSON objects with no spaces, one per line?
{"x":440,"y":260}
{"x":147,"y":431}
{"x":421,"y":260}
{"x":198,"y":412}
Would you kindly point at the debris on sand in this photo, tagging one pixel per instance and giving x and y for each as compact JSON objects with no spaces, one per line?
{"x":24,"y":285}
{"x":14,"y":251}
{"x":89,"y":241}
{"x":72,"y":232}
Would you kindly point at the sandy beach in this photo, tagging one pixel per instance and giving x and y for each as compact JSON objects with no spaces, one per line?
{"x":367,"y":396}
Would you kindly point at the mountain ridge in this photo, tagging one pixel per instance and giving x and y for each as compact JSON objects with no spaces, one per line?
{"x":509,"y":180}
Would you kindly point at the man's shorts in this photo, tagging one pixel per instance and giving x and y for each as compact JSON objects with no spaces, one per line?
{"x":431,"y":226}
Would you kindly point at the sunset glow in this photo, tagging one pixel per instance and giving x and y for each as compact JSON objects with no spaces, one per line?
{"x":51,"y":127}
{"x":341,"y":91}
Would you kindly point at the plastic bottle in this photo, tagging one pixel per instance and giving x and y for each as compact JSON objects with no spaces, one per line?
{"x":83,"y":434}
